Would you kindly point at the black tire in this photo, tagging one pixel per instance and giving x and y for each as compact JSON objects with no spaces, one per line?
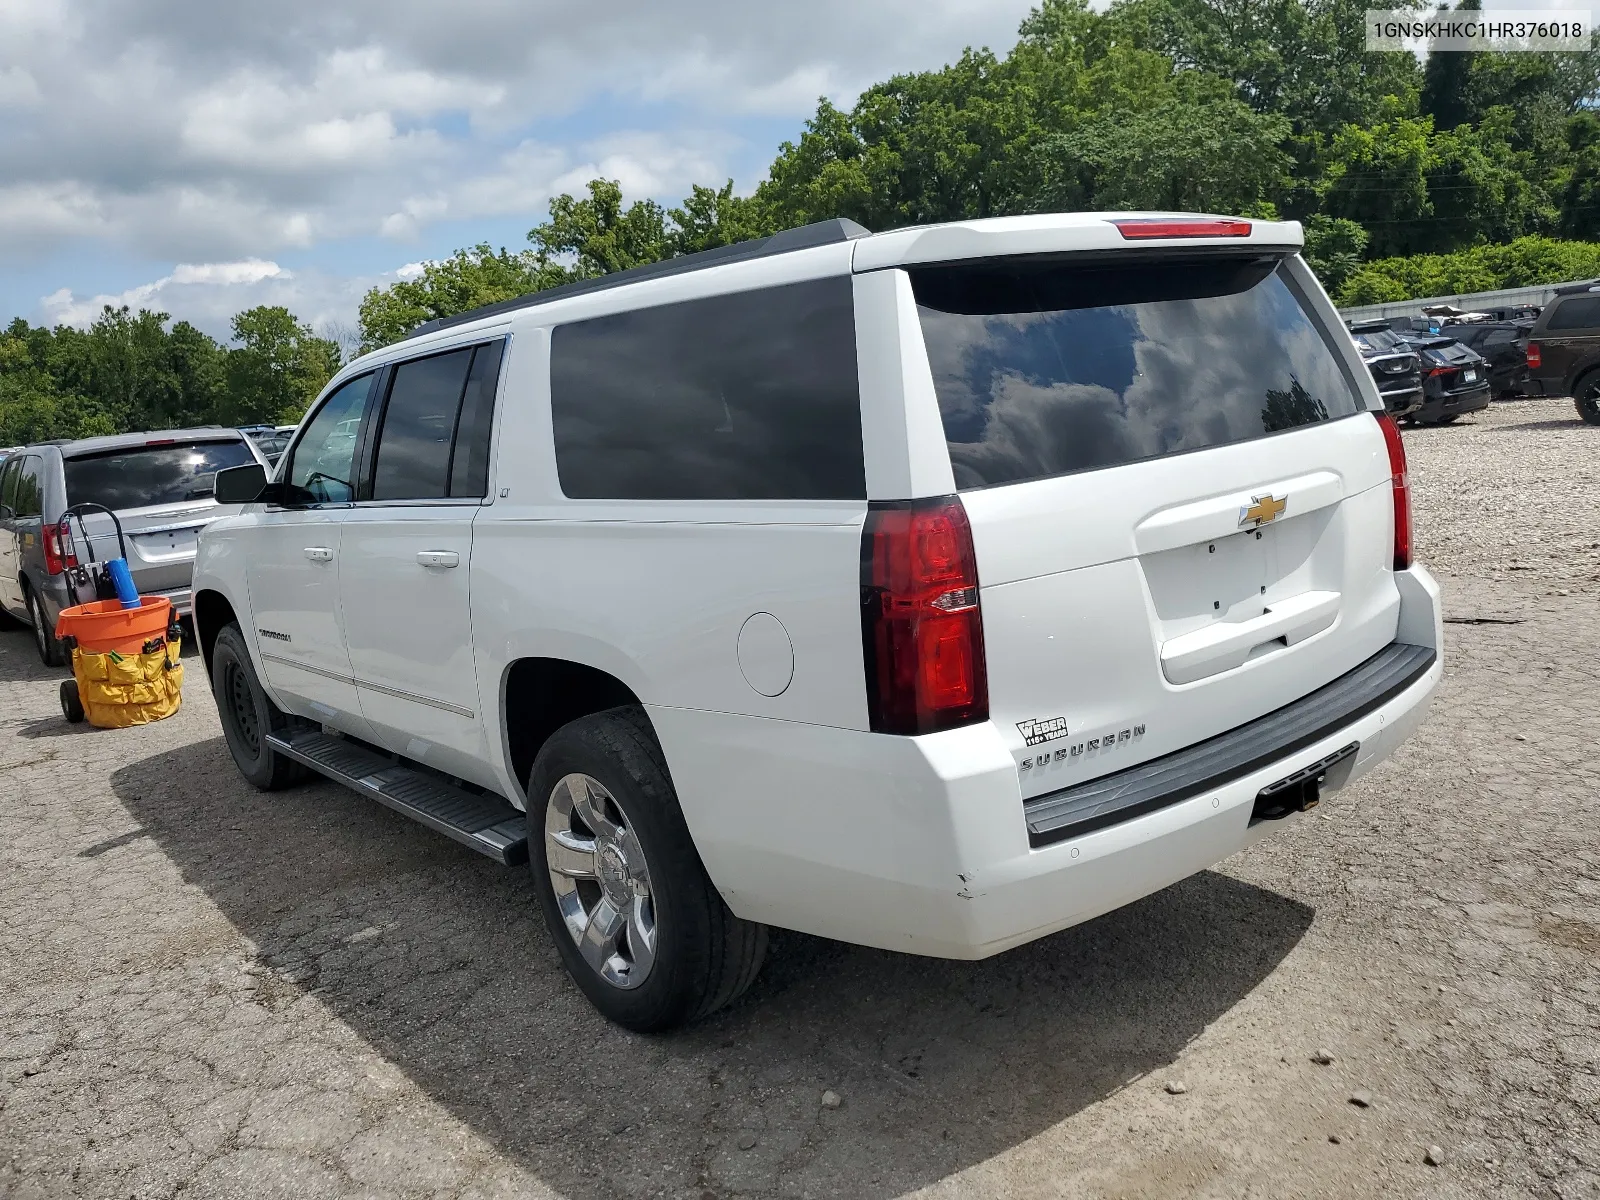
{"x":1586,"y":396}
{"x":51,"y":653}
{"x":248,"y":715}
{"x":71,"y":704}
{"x":1446,"y":419}
{"x":704,"y":956}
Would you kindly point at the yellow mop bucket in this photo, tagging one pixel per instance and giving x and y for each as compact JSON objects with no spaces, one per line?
{"x":125,"y":668}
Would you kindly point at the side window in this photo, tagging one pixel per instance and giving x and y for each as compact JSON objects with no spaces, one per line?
{"x":434,"y":442}
{"x":746,"y":396}
{"x":322,"y":470}
{"x":8,"y":486}
{"x":30,"y":488}
{"x":1576,"y":312}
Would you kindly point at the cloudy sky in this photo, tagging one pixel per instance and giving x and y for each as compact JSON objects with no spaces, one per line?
{"x":199,"y":156}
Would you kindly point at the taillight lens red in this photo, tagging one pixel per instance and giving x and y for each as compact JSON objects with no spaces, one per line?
{"x":1402,"y":491}
{"x":58,"y":551}
{"x":920,"y":623}
{"x":1170,"y":227}
{"x":1535,"y":355}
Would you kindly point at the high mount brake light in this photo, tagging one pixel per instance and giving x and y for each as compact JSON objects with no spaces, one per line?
{"x":58,"y":550}
{"x":921,"y":628}
{"x":1133,"y":228}
{"x":1402,"y":490}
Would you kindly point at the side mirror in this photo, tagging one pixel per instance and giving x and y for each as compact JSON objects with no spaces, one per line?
{"x":241,"y":485}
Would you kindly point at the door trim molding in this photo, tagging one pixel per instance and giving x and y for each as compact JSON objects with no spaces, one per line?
{"x":443,"y":705}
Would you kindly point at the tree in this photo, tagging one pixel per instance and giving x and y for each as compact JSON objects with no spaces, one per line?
{"x":277,"y":369}
{"x":1199,"y":157}
{"x":1334,"y":248}
{"x":466,"y":280}
{"x":597,"y":236}
{"x":712,"y":217}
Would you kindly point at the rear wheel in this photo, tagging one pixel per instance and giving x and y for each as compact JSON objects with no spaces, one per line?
{"x":1586,"y":395}
{"x":638,"y":923}
{"x":44,"y":638}
{"x":71,"y":702}
{"x":248,"y":716}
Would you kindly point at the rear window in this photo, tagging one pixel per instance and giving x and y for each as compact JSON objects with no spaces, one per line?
{"x":1576,"y":312}
{"x":143,"y":475}
{"x":1046,"y":367}
{"x":745,"y":396}
{"x":1378,"y":341}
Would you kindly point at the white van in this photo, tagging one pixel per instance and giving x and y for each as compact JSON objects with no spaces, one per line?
{"x":932,"y":590}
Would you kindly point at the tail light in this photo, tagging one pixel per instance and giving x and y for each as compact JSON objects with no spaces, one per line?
{"x":1535,"y":355}
{"x":1133,"y":228}
{"x":58,"y":551}
{"x":921,"y":628}
{"x":1402,"y":491}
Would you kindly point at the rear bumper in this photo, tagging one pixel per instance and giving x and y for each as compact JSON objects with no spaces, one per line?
{"x":1454,"y":404}
{"x":921,"y":844}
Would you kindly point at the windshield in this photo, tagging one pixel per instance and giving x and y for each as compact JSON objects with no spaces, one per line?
{"x":140,"y":476}
{"x":1043,"y":367}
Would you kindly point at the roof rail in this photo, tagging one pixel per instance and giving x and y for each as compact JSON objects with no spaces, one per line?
{"x":1572,"y":289}
{"x":822,"y":233}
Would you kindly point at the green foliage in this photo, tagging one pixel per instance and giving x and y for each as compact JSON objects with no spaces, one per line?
{"x":277,"y":369}
{"x":1334,"y":249}
{"x":467,"y":279}
{"x":129,"y":371}
{"x":1525,"y":262}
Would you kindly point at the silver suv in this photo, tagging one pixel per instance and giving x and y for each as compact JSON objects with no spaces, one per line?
{"x":159,"y":485}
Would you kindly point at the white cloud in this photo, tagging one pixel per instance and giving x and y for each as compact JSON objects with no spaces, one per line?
{"x":204,"y":133}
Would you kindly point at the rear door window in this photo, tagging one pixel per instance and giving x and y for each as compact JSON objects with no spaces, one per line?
{"x":160,"y":473}
{"x":434,"y":442}
{"x":8,"y":486}
{"x":1046,"y":367}
{"x":750,"y":396}
{"x":1576,"y":312}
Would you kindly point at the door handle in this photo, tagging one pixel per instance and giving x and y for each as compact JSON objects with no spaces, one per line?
{"x":438,"y":558}
{"x":319,"y":553}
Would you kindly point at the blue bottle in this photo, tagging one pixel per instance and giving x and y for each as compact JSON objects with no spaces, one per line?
{"x":122,"y":580}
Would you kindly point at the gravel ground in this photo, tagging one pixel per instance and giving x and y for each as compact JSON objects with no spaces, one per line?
{"x":211,"y":992}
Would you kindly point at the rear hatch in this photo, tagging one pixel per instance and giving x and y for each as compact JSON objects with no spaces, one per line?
{"x":1455,"y":367}
{"x":162,"y":493}
{"x":1180,"y":507}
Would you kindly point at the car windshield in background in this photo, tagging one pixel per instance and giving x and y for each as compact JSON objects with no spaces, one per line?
{"x":144,"y":475}
{"x":1043,"y":367}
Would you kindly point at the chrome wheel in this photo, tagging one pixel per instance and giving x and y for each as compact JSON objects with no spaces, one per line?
{"x":601,"y":880}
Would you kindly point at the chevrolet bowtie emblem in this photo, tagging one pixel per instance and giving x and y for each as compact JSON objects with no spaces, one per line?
{"x":1265,"y":509}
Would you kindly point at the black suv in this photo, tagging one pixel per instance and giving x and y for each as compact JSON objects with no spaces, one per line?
{"x":1455,"y":378}
{"x":1564,"y":349}
{"x":1395,"y":366}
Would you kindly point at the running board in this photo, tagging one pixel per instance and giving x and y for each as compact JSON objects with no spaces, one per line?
{"x":483,"y":823}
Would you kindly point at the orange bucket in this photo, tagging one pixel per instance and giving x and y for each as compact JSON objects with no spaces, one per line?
{"x":104,"y":625}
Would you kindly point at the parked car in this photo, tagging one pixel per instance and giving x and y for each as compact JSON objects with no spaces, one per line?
{"x":1455,"y":378}
{"x":1564,"y":349}
{"x":158,"y":484}
{"x":1396,"y":368}
{"x":1503,"y":346}
{"x":933,"y":590}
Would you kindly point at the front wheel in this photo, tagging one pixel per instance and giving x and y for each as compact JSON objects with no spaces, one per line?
{"x":639,"y":925}
{"x":248,"y":715}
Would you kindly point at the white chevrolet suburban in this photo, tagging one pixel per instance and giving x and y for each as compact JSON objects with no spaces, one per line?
{"x":932,"y":590}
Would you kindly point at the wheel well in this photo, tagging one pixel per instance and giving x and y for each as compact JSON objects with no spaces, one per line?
{"x":211,"y":612}
{"x":543,"y":694}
